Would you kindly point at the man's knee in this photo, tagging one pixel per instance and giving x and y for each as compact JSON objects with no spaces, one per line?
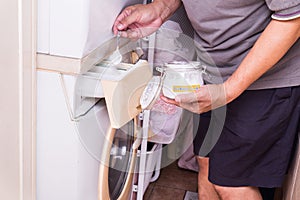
{"x":223,"y":192}
{"x":232,"y":193}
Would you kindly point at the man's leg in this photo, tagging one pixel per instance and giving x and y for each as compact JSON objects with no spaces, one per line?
{"x":209,"y":191}
{"x":206,"y":189}
{"x":238,"y":193}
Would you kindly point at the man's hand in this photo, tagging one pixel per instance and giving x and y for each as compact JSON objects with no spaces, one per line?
{"x":139,"y":20}
{"x":208,"y":97}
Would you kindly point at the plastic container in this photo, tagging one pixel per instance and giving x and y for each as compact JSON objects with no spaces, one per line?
{"x":176,"y":78}
{"x":181,"y":78}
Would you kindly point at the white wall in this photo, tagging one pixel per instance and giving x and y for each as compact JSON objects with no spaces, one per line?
{"x":16,"y":101}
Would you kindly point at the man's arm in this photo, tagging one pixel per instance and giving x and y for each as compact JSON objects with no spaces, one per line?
{"x":271,"y":46}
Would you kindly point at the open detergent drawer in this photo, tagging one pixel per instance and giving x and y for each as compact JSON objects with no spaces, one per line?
{"x":121,"y":86}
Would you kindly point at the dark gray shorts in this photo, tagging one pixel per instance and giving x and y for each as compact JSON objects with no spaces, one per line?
{"x":257,"y":140}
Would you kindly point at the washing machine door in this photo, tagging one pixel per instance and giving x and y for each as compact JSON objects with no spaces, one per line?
{"x":117,"y":164}
{"x":114,"y":149}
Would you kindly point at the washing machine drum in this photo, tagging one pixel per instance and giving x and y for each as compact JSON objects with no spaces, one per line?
{"x":113,"y":148}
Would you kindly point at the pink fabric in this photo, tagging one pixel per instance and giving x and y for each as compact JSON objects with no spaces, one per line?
{"x":161,"y":106}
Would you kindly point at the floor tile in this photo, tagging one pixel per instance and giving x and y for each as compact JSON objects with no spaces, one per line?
{"x":166,"y":193}
{"x":172,"y":184}
{"x":174,"y":177}
{"x":191,"y":196}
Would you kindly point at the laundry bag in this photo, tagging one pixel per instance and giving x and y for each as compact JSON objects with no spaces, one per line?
{"x":164,"y":122}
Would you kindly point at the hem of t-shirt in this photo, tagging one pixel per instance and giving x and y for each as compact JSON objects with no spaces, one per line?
{"x":275,"y":83}
{"x":286,"y":17}
{"x":287,"y":14}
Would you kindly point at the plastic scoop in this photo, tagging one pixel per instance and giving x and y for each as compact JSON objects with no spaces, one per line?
{"x":116,"y":57}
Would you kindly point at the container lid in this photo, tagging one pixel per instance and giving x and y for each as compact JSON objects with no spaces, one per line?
{"x":182,"y":64}
{"x":151,"y":92}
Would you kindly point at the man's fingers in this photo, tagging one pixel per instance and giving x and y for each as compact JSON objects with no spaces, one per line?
{"x":187,"y":98}
{"x":125,"y":19}
{"x":168,"y":100}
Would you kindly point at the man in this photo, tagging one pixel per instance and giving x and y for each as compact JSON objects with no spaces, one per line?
{"x":255,"y":46}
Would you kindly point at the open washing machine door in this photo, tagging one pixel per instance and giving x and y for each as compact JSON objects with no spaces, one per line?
{"x":114,"y":149}
{"x":117,"y":171}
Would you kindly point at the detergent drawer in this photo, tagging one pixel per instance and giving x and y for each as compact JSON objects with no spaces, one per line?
{"x":121,"y":85}
{"x":89,"y":83}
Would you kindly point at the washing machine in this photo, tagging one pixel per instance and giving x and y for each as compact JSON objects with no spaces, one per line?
{"x":73,"y":122}
{"x":92,"y":134}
